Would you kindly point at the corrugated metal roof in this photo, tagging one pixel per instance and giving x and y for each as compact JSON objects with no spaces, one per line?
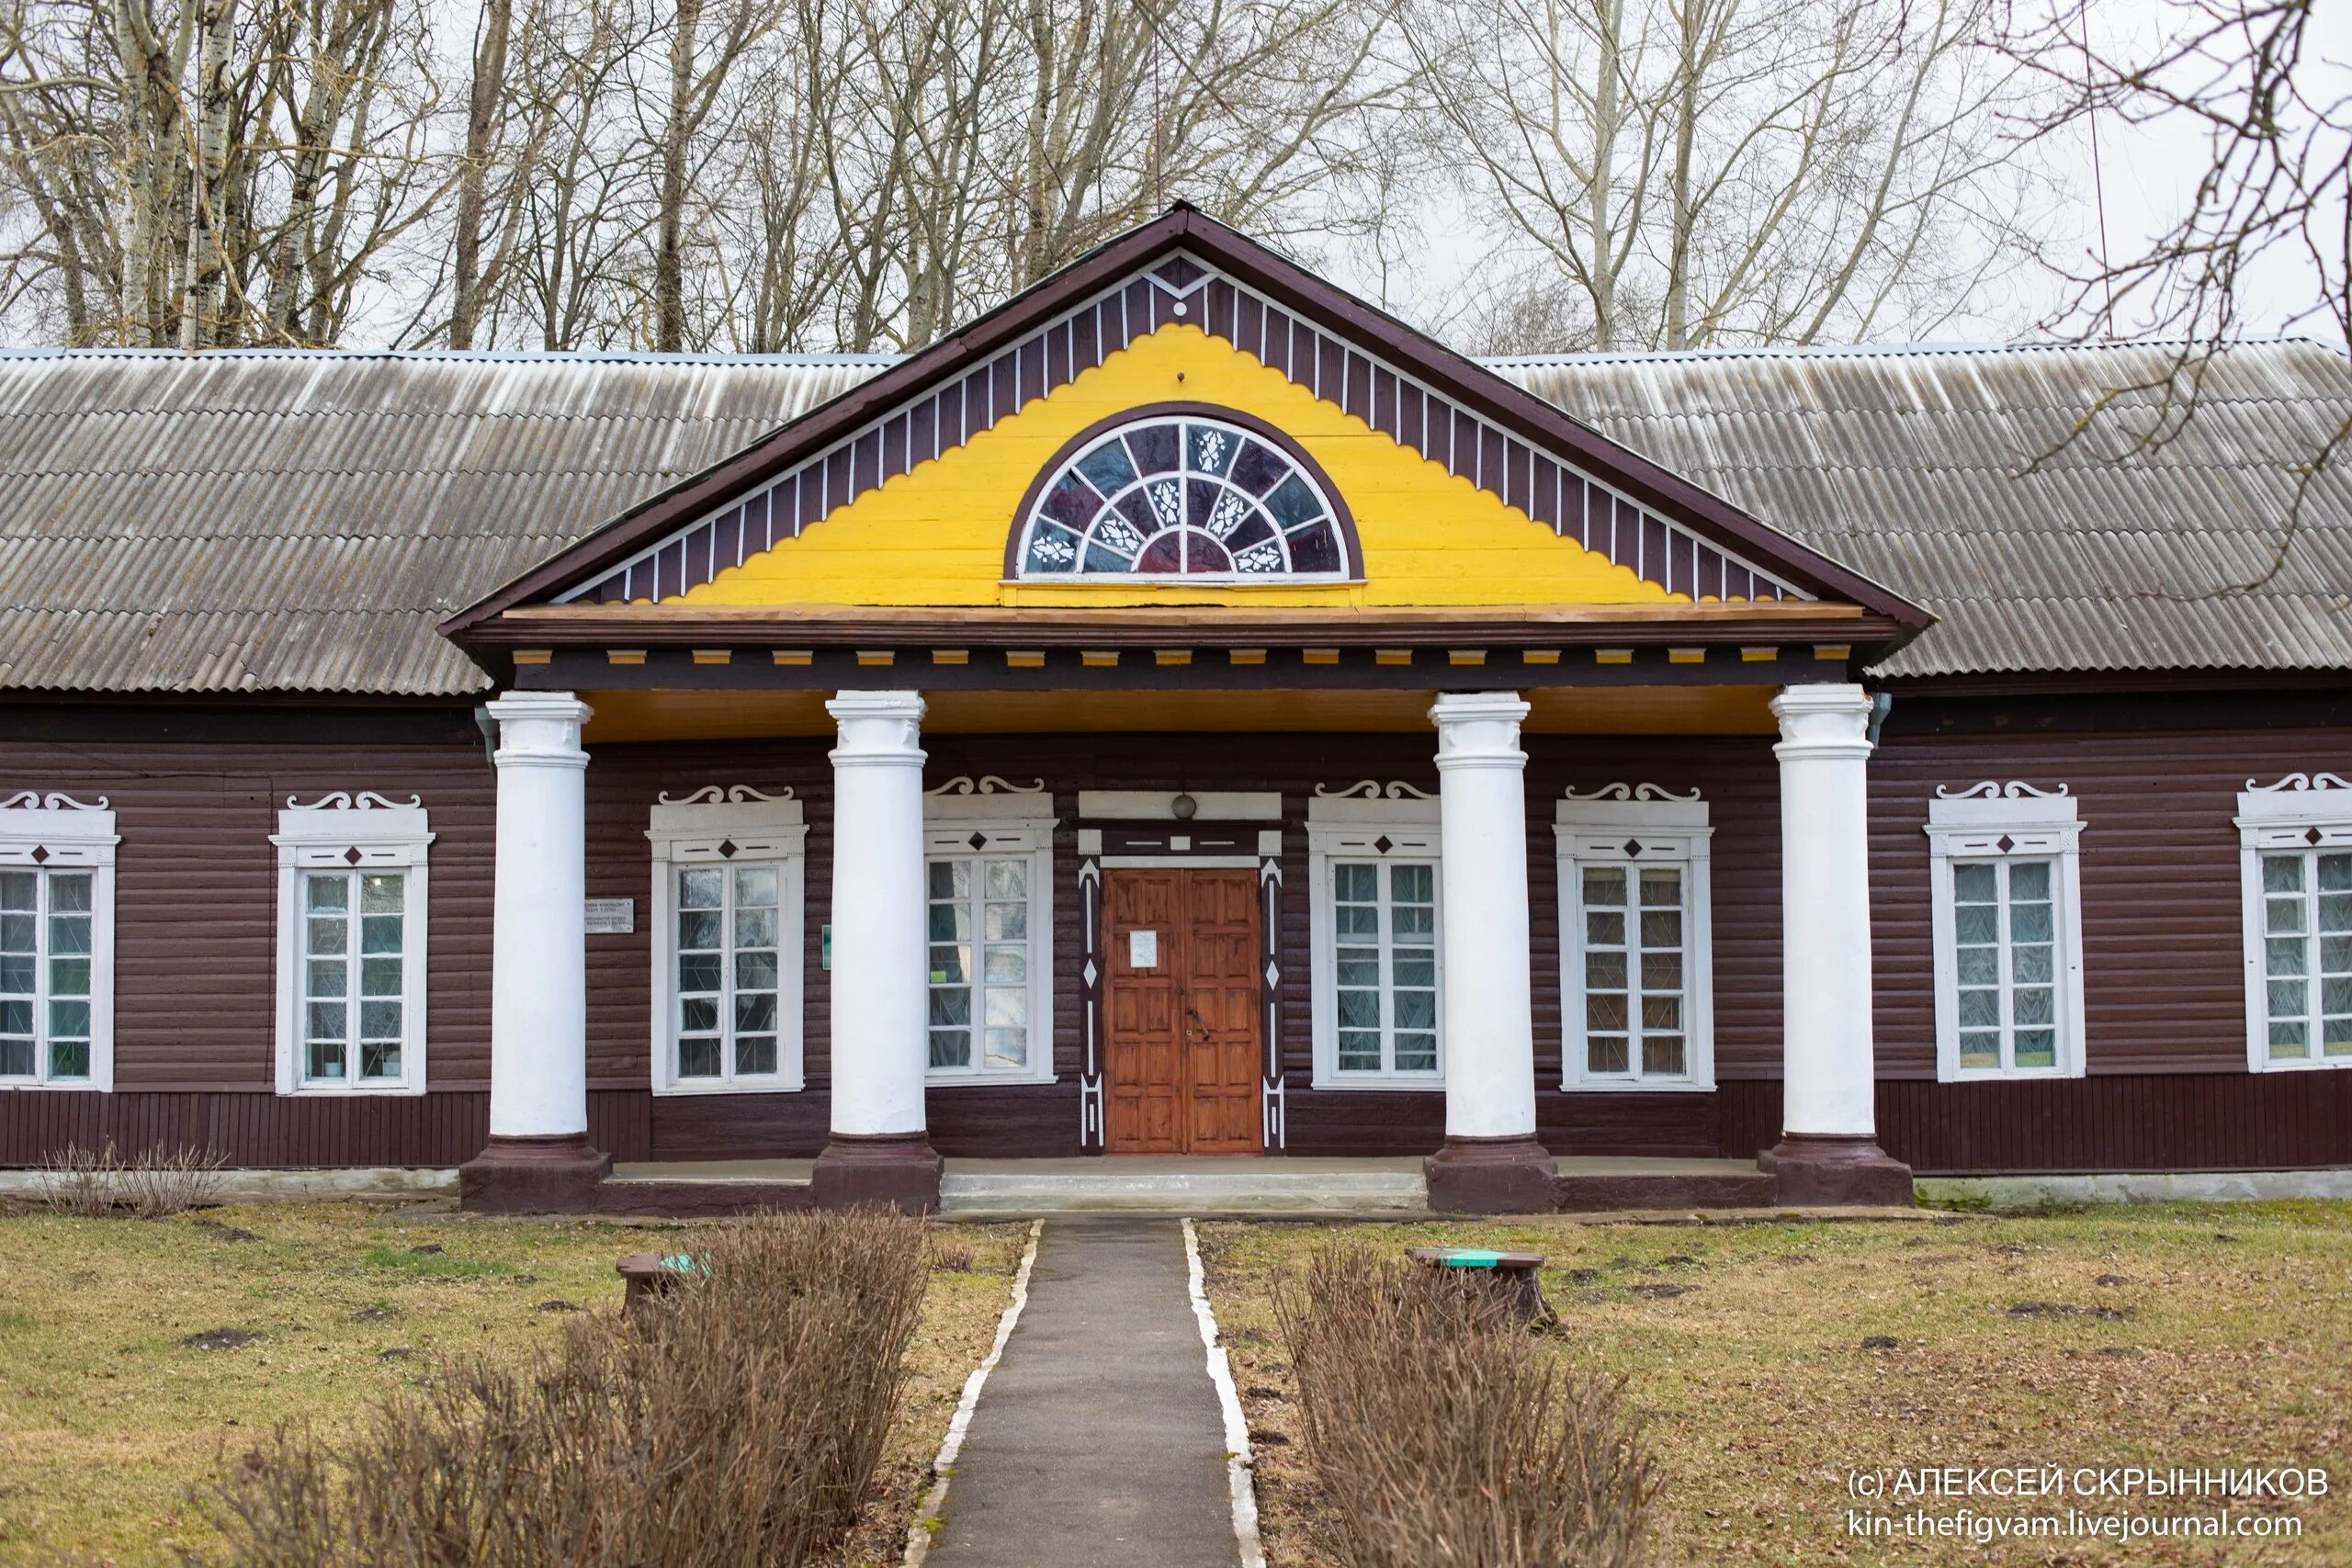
{"x":278,"y":521}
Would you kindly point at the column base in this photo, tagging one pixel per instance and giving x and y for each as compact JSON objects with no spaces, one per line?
{"x":1836,"y":1168}
{"x":557,"y":1175}
{"x":1491,"y":1176}
{"x":897,"y":1170}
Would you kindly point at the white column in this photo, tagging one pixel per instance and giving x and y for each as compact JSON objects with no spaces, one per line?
{"x":879,"y":1030}
{"x":1824,"y":911}
{"x":1489,"y":1015}
{"x":539,"y":987}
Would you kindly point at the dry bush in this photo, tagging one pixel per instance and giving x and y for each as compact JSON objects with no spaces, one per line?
{"x":1441,"y":1434}
{"x":156,"y":1182}
{"x":737,"y":1424}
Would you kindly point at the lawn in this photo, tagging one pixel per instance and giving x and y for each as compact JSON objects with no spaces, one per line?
{"x":2180,"y":1335}
{"x":120,"y":1398}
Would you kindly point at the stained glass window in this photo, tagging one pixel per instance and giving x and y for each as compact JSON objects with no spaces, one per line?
{"x":1182,"y":497}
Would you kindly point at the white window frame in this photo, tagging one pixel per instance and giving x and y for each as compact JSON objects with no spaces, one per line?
{"x":1351,"y":826}
{"x":727,"y":828}
{"x":1632,"y":826}
{"x":1012,"y":820}
{"x":52,"y":832}
{"x":2013,"y":821}
{"x":2309,"y":813}
{"x":353,"y":832}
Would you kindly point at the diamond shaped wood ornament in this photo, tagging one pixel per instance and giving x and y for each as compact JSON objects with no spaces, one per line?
{"x":727,"y":848}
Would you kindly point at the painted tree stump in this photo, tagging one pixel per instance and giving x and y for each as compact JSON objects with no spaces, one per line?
{"x":648,"y":1276}
{"x":1512,"y":1276}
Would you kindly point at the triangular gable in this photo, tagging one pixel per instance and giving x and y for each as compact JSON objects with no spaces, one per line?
{"x":1185,"y":267}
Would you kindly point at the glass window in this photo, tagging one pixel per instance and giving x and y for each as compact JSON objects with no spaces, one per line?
{"x":1636,"y":997}
{"x":354,"y":1002}
{"x":46,"y":957}
{"x":727,"y":968}
{"x":2307,"y":954}
{"x":2004,"y":963}
{"x":981,"y":953}
{"x":1182,"y":497}
{"x":1384,"y":948}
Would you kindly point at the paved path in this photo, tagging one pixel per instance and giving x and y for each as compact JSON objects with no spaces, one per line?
{"x":1097,"y":1441}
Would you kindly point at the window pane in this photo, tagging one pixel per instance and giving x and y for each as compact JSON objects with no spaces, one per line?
{"x":1980,"y":966}
{"x":1413,"y":884}
{"x":951,"y":1004}
{"x":17,"y":1016}
{"x":1359,"y":1009}
{"x":698,"y":1056}
{"x":67,"y":1059}
{"x":755,"y":971}
{"x":1356,"y":921}
{"x":1356,"y":884}
{"x":1605,"y":1054}
{"x":701,"y":887}
{"x":697,"y":929}
{"x":1662,"y":1013}
{"x":756,"y":1012}
{"x":1008,"y":1046}
{"x":2284,"y":917}
{"x":69,"y":892}
{"x":1604,"y":971}
{"x":1416,"y":1051}
{"x":1604,"y":928}
{"x":1413,"y":925}
{"x":1008,"y":879}
{"x":755,"y":885}
{"x":1008,"y":966}
{"x":951,"y":1048}
{"x":2037,"y":1048}
{"x":1661,"y":928}
{"x":2029,"y":881}
{"x":1414,"y":967}
{"x":1357,"y":966}
{"x":1604,"y":1010}
{"x":754,"y":1054}
{"x":2284,"y":957}
{"x":1980,"y":1048}
{"x":69,"y":1019}
{"x":1008,"y":922}
{"x":16,"y":975}
{"x":1976,"y":925}
{"x":326,"y":1020}
{"x":379,"y":977}
{"x":16,"y":1058}
{"x":1662,"y":1054}
{"x":2032,"y":966}
{"x":2282,"y":873}
{"x":17,"y":893}
{"x":951,"y":922}
{"x":1973,"y":881}
{"x":1661,"y":886}
{"x":330,"y":893}
{"x":951,"y":965}
{"x":382,"y":893}
{"x":1605,"y":885}
{"x":2029,"y":923}
{"x":380,"y":1021}
{"x":698,"y":971}
{"x":379,"y":934}
{"x":327,"y":976}
{"x":379,"y":1059}
{"x":2289,"y":1039}
{"x":1007,"y":1004}
{"x":755,"y":927}
{"x":2335,"y":872}
{"x":697,"y":1015}
{"x":2288,"y":999}
{"x":1416,"y":1009}
{"x":326,"y":1059}
{"x":2033,"y":1005}
{"x":1980,"y":1009}
{"x":1359,"y":1051}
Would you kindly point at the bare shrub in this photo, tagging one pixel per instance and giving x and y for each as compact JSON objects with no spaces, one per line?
{"x":150,"y":1185}
{"x":1444,"y":1435}
{"x":738,"y":1423}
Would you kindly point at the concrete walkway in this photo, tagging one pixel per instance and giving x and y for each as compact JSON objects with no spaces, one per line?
{"x":1097,"y":1443}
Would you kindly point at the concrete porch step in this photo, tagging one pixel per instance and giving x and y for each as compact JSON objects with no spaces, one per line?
{"x":1593,"y":1185}
{"x":1176,"y":1184}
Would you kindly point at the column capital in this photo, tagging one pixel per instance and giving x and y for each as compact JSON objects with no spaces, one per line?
{"x":1830,"y":721}
{"x":540,"y":729}
{"x":878,"y":730}
{"x":1478,"y":730}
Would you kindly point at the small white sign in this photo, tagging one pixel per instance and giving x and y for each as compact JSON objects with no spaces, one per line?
{"x":1143,"y":950}
{"x":610,"y":917}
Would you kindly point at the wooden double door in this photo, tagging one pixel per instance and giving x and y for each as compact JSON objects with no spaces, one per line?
{"x":1184,"y":1043}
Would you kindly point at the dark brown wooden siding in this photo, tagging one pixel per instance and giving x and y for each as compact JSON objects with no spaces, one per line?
{"x":197,"y":795}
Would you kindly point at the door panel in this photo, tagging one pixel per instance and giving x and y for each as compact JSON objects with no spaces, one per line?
{"x":1183,"y":1046}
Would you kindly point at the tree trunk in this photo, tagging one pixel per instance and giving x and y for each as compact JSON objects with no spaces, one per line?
{"x":670,"y":262}
{"x":473,"y":181}
{"x":207,"y":266}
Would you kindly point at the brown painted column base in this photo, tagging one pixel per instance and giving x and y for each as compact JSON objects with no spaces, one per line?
{"x":1821,"y":1169}
{"x":1491,"y":1176}
{"x":897,"y":1170}
{"x":533,"y":1176}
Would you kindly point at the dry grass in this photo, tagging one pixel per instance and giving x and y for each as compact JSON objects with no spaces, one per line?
{"x":153,"y":1184}
{"x":2212,"y":1335}
{"x":110,"y":1420}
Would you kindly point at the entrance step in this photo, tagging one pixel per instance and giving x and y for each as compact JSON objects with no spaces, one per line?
{"x":1593,"y":1185}
{"x":1177,"y":1185}
{"x":705,"y":1189}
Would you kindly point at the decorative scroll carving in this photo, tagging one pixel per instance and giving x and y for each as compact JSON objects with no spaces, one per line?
{"x":1629,"y":792}
{"x":345,"y":800}
{"x":2016,"y":789}
{"x":988,"y":784}
{"x":33,"y":800}
{"x":733,"y":795}
{"x":2300,"y":781}
{"x":1373,"y":789}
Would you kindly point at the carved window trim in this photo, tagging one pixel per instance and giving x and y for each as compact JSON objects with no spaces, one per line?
{"x":2309,"y":815}
{"x":1367,"y":822}
{"x":1631,"y":826}
{"x":2004,"y":824}
{"x":358,"y":833}
{"x":1011,"y":821}
{"x":726,"y":828}
{"x":49,"y":831}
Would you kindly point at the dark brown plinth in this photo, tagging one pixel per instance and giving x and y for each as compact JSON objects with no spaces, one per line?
{"x":642,"y":1197}
{"x":1817,"y":1168}
{"x":1491,"y":1176}
{"x":533,"y":1176}
{"x":897,"y":1171}
{"x":1594,"y":1192}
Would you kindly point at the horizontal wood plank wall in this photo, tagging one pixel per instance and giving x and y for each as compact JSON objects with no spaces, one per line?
{"x":440,"y":1129}
{"x":2124,"y":1122}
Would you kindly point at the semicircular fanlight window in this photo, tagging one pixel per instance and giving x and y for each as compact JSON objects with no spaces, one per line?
{"x":1183,"y":496}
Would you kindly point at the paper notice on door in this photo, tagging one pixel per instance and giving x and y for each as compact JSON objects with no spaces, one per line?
{"x":1143,"y":950}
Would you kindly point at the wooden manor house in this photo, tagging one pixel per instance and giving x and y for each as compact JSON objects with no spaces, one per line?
{"x":1183,"y":712}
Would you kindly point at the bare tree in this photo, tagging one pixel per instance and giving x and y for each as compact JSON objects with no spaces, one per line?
{"x":1673,"y":174}
{"x":486,"y":102}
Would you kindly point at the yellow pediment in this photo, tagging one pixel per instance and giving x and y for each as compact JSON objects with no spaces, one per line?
{"x":936,"y":534}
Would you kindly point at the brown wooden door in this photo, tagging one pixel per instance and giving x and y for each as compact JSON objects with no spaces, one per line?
{"x":1182,"y":1066}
